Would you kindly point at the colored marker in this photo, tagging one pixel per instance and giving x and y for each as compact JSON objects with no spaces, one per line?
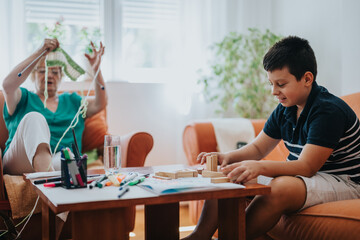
{"x":41,"y":181}
{"x":136,"y":181}
{"x":123,"y":191}
{"x":102,"y":183}
{"x":94,"y":183}
{"x":52,"y":184}
{"x":128,"y":178}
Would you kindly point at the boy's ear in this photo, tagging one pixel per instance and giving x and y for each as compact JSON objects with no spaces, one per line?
{"x":309,"y":78}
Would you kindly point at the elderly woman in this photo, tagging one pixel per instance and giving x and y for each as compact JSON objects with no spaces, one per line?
{"x":34,"y":130}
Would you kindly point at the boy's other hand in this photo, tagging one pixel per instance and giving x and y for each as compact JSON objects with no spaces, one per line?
{"x":242,"y":172}
{"x":222,"y":158}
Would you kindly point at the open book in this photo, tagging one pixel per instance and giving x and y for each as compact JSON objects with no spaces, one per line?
{"x":161,"y":187}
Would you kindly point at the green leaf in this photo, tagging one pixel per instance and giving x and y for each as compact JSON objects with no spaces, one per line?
{"x":238,"y":82}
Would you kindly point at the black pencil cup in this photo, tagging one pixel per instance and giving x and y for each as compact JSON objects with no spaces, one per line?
{"x":74,"y":173}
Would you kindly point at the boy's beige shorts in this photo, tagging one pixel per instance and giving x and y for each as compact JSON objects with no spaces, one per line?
{"x":325,"y":187}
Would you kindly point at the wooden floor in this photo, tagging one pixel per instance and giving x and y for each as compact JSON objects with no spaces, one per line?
{"x":140,"y":226}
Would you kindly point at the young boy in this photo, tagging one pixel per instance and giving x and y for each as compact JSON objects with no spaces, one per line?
{"x":321,"y":132}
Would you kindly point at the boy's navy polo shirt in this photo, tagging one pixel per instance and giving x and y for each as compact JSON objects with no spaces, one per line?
{"x":327,"y":121}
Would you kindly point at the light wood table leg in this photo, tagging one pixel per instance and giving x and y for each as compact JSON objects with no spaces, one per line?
{"x":162,"y":221}
{"x":48,"y":223}
{"x":99,"y":224}
{"x":232,"y":219}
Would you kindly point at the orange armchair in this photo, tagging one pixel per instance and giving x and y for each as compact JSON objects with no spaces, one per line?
{"x":135,"y":148}
{"x":334,"y":220}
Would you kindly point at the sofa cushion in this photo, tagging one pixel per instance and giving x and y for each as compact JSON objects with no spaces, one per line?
{"x":333,"y":220}
{"x":95,"y":129}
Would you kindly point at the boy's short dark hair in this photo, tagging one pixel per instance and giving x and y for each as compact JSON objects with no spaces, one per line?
{"x":292,"y":52}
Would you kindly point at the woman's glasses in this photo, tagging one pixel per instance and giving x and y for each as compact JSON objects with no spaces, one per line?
{"x":54,"y":71}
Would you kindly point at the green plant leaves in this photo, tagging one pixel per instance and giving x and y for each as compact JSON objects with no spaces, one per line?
{"x":238,"y":82}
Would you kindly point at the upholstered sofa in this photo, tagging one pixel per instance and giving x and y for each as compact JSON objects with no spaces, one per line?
{"x":134,"y":149}
{"x":334,"y":220}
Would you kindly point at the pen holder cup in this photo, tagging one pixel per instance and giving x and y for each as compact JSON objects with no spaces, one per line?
{"x":74,"y":173}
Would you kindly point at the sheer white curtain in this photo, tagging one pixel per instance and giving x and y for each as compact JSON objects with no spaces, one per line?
{"x":12,"y":47}
{"x":203,"y":22}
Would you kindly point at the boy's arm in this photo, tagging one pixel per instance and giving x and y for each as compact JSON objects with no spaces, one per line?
{"x":311,"y":159}
{"x":257,"y":149}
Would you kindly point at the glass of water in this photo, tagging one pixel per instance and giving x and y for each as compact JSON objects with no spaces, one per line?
{"x":112,"y":154}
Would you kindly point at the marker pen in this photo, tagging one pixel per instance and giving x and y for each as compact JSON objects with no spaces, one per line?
{"x":52,"y":184}
{"x":48,"y":180}
{"x":102,"y":183}
{"x":94,"y":183}
{"x":123,"y":190}
{"x":136,"y":181}
{"x":128,"y":178}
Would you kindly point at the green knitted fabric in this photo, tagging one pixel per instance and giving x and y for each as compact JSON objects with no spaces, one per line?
{"x":59,"y":57}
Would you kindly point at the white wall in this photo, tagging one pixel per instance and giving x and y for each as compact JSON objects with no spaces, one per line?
{"x":350,"y":47}
{"x":153,"y":108}
{"x":320,"y":22}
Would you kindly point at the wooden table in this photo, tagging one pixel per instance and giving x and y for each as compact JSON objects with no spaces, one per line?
{"x":103,"y":218}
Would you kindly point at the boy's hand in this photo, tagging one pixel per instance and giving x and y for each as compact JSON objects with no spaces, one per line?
{"x":242,"y":172}
{"x":223,"y":159}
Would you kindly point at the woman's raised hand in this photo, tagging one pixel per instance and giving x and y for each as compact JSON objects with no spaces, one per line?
{"x":50,"y":44}
{"x":95,"y":57}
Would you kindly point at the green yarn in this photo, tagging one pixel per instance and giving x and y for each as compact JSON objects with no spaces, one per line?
{"x":59,"y":57}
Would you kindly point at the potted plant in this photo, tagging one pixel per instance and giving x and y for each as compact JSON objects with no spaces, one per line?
{"x":237,"y":80}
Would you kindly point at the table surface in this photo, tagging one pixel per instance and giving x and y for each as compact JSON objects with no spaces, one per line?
{"x":86,"y":206}
{"x":60,"y":199}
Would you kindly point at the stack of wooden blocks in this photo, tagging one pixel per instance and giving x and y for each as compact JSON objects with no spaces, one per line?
{"x":212,"y":170}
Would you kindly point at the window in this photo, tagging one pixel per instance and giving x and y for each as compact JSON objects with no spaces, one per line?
{"x":74,"y":23}
{"x":150,"y":33}
{"x":141,"y":36}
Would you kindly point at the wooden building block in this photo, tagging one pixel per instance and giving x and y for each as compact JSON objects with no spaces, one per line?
{"x":193,"y":171}
{"x":161,"y":177}
{"x":212,"y":174}
{"x":211,"y":163}
{"x":166,"y":174}
{"x":220,"y":180}
{"x":184,"y":174}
